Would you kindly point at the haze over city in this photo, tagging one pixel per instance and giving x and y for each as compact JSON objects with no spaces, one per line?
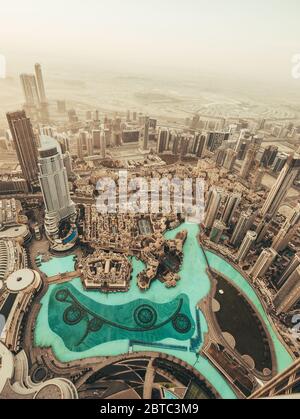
{"x":253,"y":40}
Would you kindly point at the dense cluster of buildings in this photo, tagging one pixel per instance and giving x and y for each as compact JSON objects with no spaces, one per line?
{"x":163,"y":259}
{"x":256,"y":228}
{"x":230,"y":219}
{"x":245,"y":230}
{"x":106,"y":271}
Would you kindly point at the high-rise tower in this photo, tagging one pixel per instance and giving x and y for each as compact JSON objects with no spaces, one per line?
{"x":282,"y":185}
{"x":230,"y":159}
{"x":243,"y":225}
{"x":248,"y":241}
{"x":263,"y":263}
{"x":232,"y":203}
{"x":25,"y":144}
{"x":213,"y":206}
{"x":103,"y":144}
{"x":294,"y":264}
{"x":40,"y":83}
{"x":146,"y":133}
{"x":217,"y":231}
{"x":248,"y":162}
{"x":289,"y":294}
{"x":30,"y":89}
{"x":54,"y":183}
{"x":60,"y":210}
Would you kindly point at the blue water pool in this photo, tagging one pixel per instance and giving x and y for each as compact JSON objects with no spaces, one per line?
{"x":194,"y":284}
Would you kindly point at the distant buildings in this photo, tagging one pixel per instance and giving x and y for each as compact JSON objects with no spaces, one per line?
{"x":269,"y":156}
{"x":181,"y":144}
{"x":131,"y":136}
{"x":30,"y":90}
{"x":103,"y":144}
{"x":42,"y":93}
{"x":35,"y":95}
{"x":216,"y":140}
{"x":163,"y":140}
{"x":230,"y":159}
{"x":146,"y":134}
{"x":61,"y":106}
{"x":96,"y":138}
{"x":248,"y":163}
{"x":40,"y":83}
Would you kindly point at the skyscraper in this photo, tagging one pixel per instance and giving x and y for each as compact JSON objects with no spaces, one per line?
{"x":288,"y":231}
{"x":258,"y":178}
{"x":146,"y":133}
{"x":216,"y":140}
{"x":289,"y":294}
{"x":269,"y":156}
{"x":282,"y":185}
{"x":103,"y":144}
{"x":295,"y":217}
{"x":96,"y":134}
{"x":245,"y":135}
{"x":217,"y":231}
{"x":242,"y":226}
{"x":280,"y":241}
{"x":262,"y":228}
{"x":55,"y":188}
{"x":83,"y":145}
{"x":90,"y":145}
{"x":40,"y":83}
{"x":248,"y":162}
{"x":80,"y":152}
{"x":163,"y":140}
{"x":248,"y":242}
{"x":263,"y":263}
{"x":212,"y":207}
{"x":231,"y":204}
{"x":25,"y":144}
{"x":294,"y":264}
{"x":199,"y":146}
{"x":230,"y":159}
{"x":30,"y":89}
{"x":220,"y":156}
{"x":35,"y":96}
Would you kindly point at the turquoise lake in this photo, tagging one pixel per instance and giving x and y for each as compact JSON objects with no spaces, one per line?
{"x":194,"y":283}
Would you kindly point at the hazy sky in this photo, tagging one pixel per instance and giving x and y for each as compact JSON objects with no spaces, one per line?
{"x":244,"y":37}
